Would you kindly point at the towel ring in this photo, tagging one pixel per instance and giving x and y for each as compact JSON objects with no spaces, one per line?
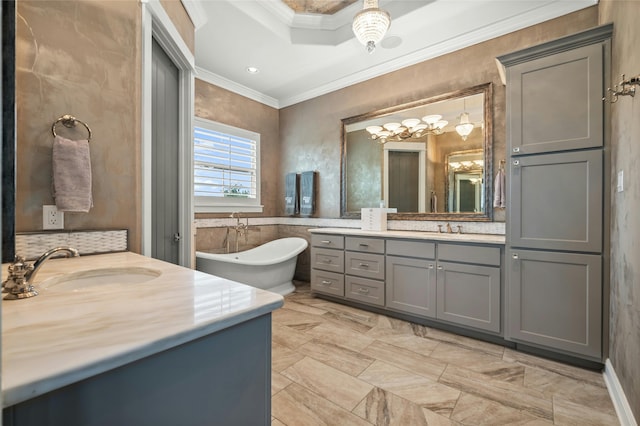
{"x":69,"y":121}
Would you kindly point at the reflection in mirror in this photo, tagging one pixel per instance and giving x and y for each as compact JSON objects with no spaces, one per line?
{"x":427,"y":159}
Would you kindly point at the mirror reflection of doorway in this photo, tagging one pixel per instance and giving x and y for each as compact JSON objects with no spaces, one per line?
{"x":404,"y":168}
{"x":467,"y":190}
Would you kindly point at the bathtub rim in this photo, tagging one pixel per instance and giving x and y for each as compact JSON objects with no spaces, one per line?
{"x":231,"y":257}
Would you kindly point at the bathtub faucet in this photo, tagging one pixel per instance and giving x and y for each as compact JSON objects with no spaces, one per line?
{"x":240,"y":228}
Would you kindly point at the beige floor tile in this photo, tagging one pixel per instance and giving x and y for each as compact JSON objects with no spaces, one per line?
{"x":276,"y":422}
{"x":340,"y":335}
{"x":278,"y":382}
{"x":288,"y":336}
{"x":392,"y":326}
{"x":285,"y":316}
{"x":346,"y":360}
{"x":328,"y":382}
{"x":415,"y":388}
{"x":569,"y":413}
{"x":420,"y":345}
{"x":384,"y":408}
{"x":406,"y":359}
{"x":302,"y":307}
{"x":465,"y":342}
{"x":476,"y":411}
{"x":567,"y":388}
{"x":356,"y":319}
{"x":505,"y":393}
{"x":480,"y":362}
{"x":283,"y":357}
{"x":593,"y":377}
{"x":297,"y":406}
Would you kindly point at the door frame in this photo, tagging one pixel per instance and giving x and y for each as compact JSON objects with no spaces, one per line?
{"x":157,"y":25}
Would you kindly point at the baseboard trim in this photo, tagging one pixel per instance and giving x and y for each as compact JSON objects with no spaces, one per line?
{"x":619,"y":399}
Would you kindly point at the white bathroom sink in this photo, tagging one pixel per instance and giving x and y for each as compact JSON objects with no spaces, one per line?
{"x":97,"y":277}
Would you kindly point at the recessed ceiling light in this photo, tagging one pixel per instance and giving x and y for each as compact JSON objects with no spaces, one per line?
{"x":253,"y":70}
{"x":391,"y":42}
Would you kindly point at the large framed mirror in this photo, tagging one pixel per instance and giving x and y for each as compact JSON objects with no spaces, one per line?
{"x":429,"y":159}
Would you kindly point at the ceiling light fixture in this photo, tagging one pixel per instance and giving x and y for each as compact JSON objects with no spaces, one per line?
{"x":253,"y":70}
{"x":411,"y":128}
{"x":465,"y":128}
{"x":371,"y":24}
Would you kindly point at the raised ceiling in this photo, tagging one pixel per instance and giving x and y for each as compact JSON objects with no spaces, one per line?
{"x":301,"y":55}
{"x":324,"y":7}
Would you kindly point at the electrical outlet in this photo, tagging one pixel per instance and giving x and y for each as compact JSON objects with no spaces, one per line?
{"x":52,"y":218}
{"x":620,"y":184}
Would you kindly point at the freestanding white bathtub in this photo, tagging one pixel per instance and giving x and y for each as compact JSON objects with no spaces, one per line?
{"x":270,"y":266}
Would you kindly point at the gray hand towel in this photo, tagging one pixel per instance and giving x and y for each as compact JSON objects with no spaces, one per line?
{"x":307,"y":193}
{"x":291,"y":194}
{"x":72,"y":175}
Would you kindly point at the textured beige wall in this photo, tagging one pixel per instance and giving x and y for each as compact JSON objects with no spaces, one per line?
{"x":310,"y":131}
{"x":80,"y":58}
{"x":223,"y":106}
{"x":624,"y":333}
{"x":180,"y":18}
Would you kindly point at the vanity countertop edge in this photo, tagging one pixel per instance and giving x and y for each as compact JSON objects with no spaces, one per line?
{"x":419,"y":235}
{"x":61,"y":337}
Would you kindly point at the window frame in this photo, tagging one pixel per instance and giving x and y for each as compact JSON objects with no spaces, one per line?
{"x":228,"y":204}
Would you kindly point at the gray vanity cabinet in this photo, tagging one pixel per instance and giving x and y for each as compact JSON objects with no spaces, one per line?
{"x":468,"y":286}
{"x":364,"y":270}
{"x":411,"y":277}
{"x":555,"y":300}
{"x":327,"y":264}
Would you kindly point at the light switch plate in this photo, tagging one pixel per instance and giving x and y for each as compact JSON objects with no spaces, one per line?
{"x":620,"y":184}
{"x":52,"y":218}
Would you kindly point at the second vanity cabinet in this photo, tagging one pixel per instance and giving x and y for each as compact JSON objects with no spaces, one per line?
{"x":454,"y":282}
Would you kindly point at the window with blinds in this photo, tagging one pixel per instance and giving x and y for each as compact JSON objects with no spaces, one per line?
{"x":226,"y":167}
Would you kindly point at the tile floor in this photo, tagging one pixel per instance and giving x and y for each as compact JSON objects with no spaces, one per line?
{"x":337,"y":365}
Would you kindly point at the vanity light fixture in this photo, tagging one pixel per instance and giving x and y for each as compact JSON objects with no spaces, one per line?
{"x":464,"y":128}
{"x":371,"y":24}
{"x":410,"y":128}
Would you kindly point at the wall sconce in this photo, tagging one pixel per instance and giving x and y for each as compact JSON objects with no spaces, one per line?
{"x":624,"y":88}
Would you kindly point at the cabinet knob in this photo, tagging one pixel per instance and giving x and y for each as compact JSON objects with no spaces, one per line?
{"x":431,"y":266}
{"x":515,"y":256}
{"x":440,"y":268}
{"x":516,"y":162}
{"x":516,"y":149}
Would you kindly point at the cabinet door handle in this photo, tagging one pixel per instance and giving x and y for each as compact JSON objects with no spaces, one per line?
{"x":327,"y":261}
{"x":364,"y":265}
{"x":363,"y":290}
{"x":325,"y":282}
{"x":325,"y":242}
{"x":440,"y":268}
{"x":431,"y":266}
{"x":363,"y":245}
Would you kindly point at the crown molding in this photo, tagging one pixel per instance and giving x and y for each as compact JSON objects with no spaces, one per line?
{"x":196,"y":12}
{"x":234,"y":87}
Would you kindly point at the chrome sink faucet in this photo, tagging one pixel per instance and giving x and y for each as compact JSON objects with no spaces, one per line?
{"x":19,"y":283}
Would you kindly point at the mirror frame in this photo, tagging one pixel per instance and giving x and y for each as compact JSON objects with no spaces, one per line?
{"x":487,"y":146}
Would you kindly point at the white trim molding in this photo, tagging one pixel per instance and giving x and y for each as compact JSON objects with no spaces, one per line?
{"x":619,"y":399}
{"x":232,"y":86}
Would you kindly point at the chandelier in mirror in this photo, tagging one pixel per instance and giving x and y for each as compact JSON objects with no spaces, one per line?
{"x":464,"y":128}
{"x":411,"y":128}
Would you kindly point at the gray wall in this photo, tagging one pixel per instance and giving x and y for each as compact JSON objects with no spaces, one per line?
{"x":624,"y":344}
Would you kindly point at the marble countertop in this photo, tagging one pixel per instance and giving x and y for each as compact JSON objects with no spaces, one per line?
{"x":62,"y":336}
{"x":420,"y":235}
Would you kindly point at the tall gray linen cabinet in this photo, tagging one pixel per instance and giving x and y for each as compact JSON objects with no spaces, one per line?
{"x":558,"y":187}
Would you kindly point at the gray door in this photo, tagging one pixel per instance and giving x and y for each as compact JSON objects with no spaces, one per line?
{"x":556,"y":201}
{"x":555,"y":300}
{"x":404,"y":169}
{"x":555,"y":102}
{"x":411,"y":286}
{"x":165,"y":237}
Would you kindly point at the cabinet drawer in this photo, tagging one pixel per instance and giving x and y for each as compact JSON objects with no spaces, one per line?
{"x":469,"y":254}
{"x":364,"y":265}
{"x":327,"y":282}
{"x":419,"y":249}
{"x":327,"y":259}
{"x":327,"y":241}
{"x":366,"y":245}
{"x":364,"y":290}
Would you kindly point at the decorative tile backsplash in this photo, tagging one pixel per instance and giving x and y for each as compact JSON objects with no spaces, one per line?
{"x":32,"y":245}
